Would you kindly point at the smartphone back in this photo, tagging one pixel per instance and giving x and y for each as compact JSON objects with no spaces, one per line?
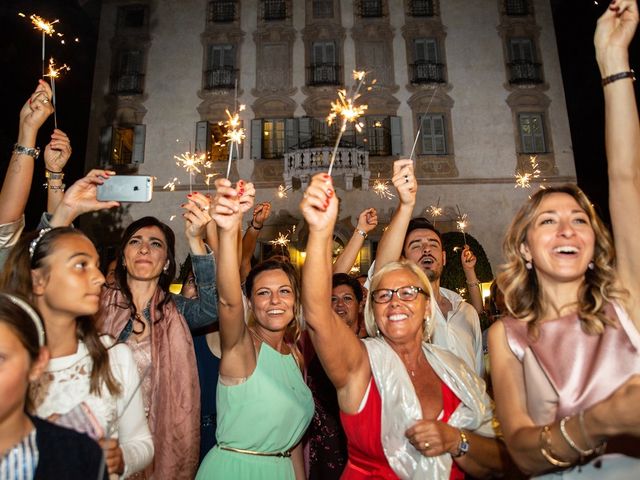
{"x":126,"y":188}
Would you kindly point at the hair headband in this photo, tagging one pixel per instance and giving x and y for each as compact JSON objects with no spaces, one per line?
{"x":35,"y":241}
{"x":28,"y":309}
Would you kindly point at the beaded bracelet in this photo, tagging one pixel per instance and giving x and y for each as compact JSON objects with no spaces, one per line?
{"x":567,"y":438}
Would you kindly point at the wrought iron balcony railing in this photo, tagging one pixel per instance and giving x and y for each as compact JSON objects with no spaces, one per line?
{"x":220,"y":77}
{"x":221,"y":11}
{"x":422,"y":8}
{"x":127,"y":83}
{"x":323,"y":74}
{"x":517,"y":8}
{"x":274,"y":9}
{"x":525,"y":72}
{"x":370,"y":8}
{"x":427,"y":72}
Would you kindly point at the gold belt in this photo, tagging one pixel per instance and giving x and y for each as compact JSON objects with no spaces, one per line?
{"x":260,"y":454}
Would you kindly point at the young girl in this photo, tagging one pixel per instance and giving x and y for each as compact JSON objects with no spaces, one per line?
{"x":59,"y":270}
{"x":31,"y":447}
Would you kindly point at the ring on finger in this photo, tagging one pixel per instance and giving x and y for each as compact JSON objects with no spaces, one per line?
{"x":406,"y":179}
{"x":427,"y":445}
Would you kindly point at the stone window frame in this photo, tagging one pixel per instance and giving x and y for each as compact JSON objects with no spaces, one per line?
{"x":430,"y":28}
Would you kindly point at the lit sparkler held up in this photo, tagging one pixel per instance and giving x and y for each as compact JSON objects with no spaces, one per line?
{"x":435,"y":211}
{"x":382,"y":189}
{"x":345,"y":108}
{"x":523,"y":179}
{"x":53,"y":74}
{"x":415,"y":140}
{"x":461,"y":223}
{"x":190,"y":162}
{"x":282,"y":191}
{"x":46,"y":28}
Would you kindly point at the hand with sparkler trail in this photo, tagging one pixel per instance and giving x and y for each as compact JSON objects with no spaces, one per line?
{"x":34,"y":112}
{"x":196,"y":218}
{"x":367,"y":222}
{"x":225,"y":207}
{"x":405,"y":182}
{"x":319,"y":206}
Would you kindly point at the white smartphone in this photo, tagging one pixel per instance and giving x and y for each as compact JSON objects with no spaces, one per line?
{"x":126,"y":188}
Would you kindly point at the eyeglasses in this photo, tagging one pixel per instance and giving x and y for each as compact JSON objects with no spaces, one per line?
{"x":406,"y":293}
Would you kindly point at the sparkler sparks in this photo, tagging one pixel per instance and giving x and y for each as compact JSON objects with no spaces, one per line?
{"x":381,"y":188}
{"x":171,"y":186}
{"x":53,"y":74}
{"x":523,"y":179}
{"x":282,"y":191}
{"x":346,"y":109}
{"x":462,"y":223}
{"x":282,"y":239}
{"x":45,"y":27}
{"x":190,"y":162}
{"x":435,"y":211}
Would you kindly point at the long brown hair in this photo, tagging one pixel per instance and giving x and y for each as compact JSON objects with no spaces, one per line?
{"x":16,"y":277}
{"x":523,"y":297}
{"x":293,"y":331}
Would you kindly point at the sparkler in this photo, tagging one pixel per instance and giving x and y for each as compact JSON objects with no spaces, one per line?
{"x":282,"y":240}
{"x":435,"y":211}
{"x":53,"y":74}
{"x":190,"y":161}
{"x":381,"y":188}
{"x":345,"y":108}
{"x":171,"y":186}
{"x":282,"y":191}
{"x":415,"y":140}
{"x":234,"y":133}
{"x":523,"y":179}
{"x":45,"y":27}
{"x":462,"y":223}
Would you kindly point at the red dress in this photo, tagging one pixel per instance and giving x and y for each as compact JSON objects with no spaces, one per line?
{"x":363,"y":430}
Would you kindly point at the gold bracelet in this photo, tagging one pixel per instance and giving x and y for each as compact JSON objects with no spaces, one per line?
{"x":547,"y":452}
{"x":597,"y":449}
{"x":570,"y":442}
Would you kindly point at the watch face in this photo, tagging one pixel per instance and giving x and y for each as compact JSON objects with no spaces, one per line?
{"x":464,"y":447}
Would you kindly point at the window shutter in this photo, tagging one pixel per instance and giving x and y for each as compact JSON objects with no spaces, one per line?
{"x":202,"y":136}
{"x":290,"y":133}
{"x":304,"y":132}
{"x":105,"y":149}
{"x":256,"y":139}
{"x":396,"y":135}
{"x":139,"y":134}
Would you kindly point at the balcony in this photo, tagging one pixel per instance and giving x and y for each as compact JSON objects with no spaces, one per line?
{"x":427,"y":72}
{"x":522,"y":72}
{"x":274,"y":10}
{"x":516,"y":8}
{"x":302,"y":164}
{"x":220,"y":77}
{"x":322,"y":9}
{"x":127,"y":84}
{"x":221,"y":11}
{"x":323,"y":74}
{"x":422,"y":8}
{"x":370,"y":8}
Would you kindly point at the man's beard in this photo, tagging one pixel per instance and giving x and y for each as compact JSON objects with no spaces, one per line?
{"x":432,"y":275}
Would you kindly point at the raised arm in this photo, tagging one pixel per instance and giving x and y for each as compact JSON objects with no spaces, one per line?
{"x":238,"y":355}
{"x":468,"y":260}
{"x":260,"y":215}
{"x":616,"y":28}
{"x":203,"y":310}
{"x":367,"y":222}
{"x":56,"y":155}
{"x":17,"y":182}
{"x":391,"y":243}
{"x":343,"y":356}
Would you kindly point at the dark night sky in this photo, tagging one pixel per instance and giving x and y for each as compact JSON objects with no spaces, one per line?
{"x":20,"y":62}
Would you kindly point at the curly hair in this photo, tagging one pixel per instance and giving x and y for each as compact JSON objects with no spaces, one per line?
{"x":523,"y":297}
{"x":16,"y":278}
{"x":423,"y":282}
{"x":294,"y":330}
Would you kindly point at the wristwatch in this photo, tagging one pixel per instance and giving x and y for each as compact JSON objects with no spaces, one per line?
{"x":32,"y":152}
{"x":463,"y":446}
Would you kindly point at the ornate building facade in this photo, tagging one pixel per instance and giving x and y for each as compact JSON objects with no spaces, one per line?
{"x":475,"y":83}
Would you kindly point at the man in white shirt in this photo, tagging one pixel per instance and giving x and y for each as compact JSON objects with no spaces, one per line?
{"x":457,"y":326}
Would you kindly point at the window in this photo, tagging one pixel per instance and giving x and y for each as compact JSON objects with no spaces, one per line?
{"x":523,"y":67}
{"x":434,"y":141}
{"x":322,"y":8}
{"x":128,"y":76}
{"x":221,"y":11}
{"x":371,"y":8}
{"x":132,"y":16}
{"x":532,"y":133}
{"x":422,"y":8}
{"x":427,"y":68}
{"x":122,"y":145}
{"x":220,"y":71}
{"x":274,"y":9}
{"x":516,"y":8}
{"x":323,"y":70}
{"x":273,"y":133}
{"x":378,"y":138}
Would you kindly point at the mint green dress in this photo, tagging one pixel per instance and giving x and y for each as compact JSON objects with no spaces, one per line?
{"x":268,"y":413}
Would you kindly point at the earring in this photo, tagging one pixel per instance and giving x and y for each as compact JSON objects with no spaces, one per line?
{"x":166,"y":267}
{"x":529,"y":265}
{"x":591,"y":265}
{"x":428,"y":329}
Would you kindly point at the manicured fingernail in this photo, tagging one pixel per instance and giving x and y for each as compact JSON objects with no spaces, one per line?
{"x":329,"y":192}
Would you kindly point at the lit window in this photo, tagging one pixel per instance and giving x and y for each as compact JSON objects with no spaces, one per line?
{"x":532,"y":133}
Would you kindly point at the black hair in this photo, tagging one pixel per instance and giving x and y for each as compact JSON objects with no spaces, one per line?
{"x":343,"y":279}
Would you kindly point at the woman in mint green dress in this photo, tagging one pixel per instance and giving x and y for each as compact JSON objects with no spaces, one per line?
{"x":264,"y":406}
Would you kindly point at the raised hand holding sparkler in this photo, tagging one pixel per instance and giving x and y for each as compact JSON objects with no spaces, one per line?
{"x":405,"y":182}
{"x":56,"y":154}
{"x":345,"y":108}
